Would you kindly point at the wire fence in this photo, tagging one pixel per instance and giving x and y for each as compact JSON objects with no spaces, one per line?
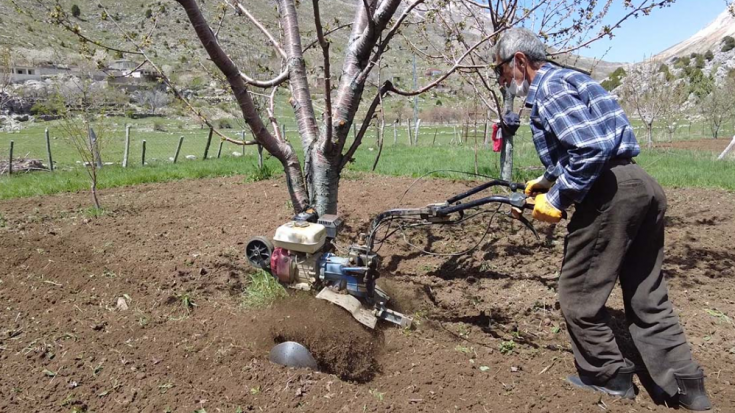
{"x":154,"y":143}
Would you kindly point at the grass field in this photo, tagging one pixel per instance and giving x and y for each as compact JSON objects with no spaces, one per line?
{"x":672,"y":167}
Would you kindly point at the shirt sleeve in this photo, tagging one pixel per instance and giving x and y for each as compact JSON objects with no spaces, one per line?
{"x":581,"y":127}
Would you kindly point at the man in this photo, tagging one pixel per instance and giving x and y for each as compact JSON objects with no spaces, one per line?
{"x":617,"y":231}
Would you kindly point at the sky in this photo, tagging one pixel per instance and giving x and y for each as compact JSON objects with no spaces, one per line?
{"x":640,"y":38}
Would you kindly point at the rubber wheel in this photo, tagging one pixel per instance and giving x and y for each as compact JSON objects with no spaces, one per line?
{"x":258,"y":252}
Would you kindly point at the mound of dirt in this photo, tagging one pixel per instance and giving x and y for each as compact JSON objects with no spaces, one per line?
{"x":340,"y":345}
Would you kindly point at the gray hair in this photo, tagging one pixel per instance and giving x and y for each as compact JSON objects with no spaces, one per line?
{"x":518,"y":39}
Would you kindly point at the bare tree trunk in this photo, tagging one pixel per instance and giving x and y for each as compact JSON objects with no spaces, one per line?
{"x":649,"y":126}
{"x":381,"y":129}
{"x":93,"y":188}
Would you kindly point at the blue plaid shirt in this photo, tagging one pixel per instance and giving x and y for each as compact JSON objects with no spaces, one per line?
{"x":577,"y":128}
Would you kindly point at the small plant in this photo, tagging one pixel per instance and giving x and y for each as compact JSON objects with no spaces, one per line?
{"x":719,"y":315}
{"x":3,"y":222}
{"x":263,"y":290}
{"x":377,"y":394}
{"x":255,"y":390}
{"x":261,"y":174}
{"x":463,"y":349}
{"x":507,"y":347}
{"x":93,"y":212}
{"x":186,"y":301}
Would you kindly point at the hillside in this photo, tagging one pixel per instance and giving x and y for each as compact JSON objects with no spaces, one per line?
{"x":709,"y":38}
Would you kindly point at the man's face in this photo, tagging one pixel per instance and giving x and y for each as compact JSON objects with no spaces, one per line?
{"x":503,"y":70}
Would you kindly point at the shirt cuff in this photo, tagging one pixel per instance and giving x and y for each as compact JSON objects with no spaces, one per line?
{"x":557,"y":200}
{"x":552,"y":173}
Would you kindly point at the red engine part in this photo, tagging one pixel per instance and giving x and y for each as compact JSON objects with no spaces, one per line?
{"x":282,"y":265}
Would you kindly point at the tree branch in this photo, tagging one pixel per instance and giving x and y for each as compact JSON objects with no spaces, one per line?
{"x":347,"y":157}
{"x":327,"y":74}
{"x":326,"y":34}
{"x":281,"y":150}
{"x":239,"y":7}
{"x":266,"y":83}
{"x":301,"y":97}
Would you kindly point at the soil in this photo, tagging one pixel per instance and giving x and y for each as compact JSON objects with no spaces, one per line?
{"x":140,"y":309}
{"x":706,"y":144}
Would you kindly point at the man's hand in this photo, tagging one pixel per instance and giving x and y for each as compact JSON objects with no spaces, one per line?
{"x":512,"y":122}
{"x":538,"y":185}
{"x":544,"y":211}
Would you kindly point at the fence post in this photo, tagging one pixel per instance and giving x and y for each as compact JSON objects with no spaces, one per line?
{"x":127,"y":146}
{"x":410,"y":138}
{"x":722,"y":155}
{"x":48,"y":152}
{"x":219,"y":151}
{"x":416,"y":133}
{"x":283,"y":131}
{"x":209,"y":142}
{"x":142,"y":156}
{"x":10,"y":159}
{"x":260,"y":155}
{"x":395,"y":133}
{"x":178,"y":149}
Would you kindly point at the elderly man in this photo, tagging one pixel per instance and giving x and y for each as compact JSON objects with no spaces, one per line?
{"x":587,"y":145}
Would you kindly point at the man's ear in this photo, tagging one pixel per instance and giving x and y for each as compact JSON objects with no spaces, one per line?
{"x":521,"y":59}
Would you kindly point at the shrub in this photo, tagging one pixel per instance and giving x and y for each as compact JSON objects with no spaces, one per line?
{"x":709,"y":55}
{"x":75,"y":11}
{"x":699,"y":62}
{"x":148,"y":14}
{"x":159,"y":126}
{"x":224,"y":124}
{"x":614,"y":80}
{"x":728,"y":43}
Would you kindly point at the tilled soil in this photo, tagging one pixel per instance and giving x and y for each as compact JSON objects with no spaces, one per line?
{"x":704,"y":144}
{"x":140,"y":309}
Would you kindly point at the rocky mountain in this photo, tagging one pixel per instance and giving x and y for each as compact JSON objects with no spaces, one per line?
{"x":709,"y":38}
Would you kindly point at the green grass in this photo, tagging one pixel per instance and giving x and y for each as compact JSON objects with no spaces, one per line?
{"x":262,"y":291}
{"x":671,"y":167}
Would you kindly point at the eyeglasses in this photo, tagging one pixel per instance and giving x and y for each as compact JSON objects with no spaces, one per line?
{"x":498,"y":68}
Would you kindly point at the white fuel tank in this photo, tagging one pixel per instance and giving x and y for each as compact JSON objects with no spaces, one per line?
{"x":300,"y":236}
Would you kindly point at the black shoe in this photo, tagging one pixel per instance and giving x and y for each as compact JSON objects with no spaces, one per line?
{"x":691,"y":392}
{"x":619,"y":385}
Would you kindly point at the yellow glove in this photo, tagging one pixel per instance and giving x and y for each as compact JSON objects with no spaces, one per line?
{"x":544,"y":211}
{"x":538,"y":185}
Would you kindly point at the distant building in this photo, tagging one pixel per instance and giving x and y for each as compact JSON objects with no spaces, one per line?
{"x":129,"y":75}
{"x":22,"y":73}
{"x":433,"y":72}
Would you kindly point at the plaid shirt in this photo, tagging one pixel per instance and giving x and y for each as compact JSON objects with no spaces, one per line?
{"x":577,"y":128}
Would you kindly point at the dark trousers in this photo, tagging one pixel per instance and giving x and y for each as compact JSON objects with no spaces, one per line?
{"x":617,"y":232}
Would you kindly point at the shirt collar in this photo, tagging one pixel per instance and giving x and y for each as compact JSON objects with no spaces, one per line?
{"x":531,"y":98}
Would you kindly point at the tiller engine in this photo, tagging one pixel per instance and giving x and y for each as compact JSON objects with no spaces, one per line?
{"x":301,"y":257}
